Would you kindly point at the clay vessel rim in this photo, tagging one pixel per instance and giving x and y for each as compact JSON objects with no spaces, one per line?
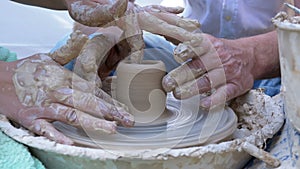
{"x":287,"y":26}
{"x":150,"y":65}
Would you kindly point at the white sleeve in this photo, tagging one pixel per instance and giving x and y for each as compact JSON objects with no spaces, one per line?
{"x":172,"y":3}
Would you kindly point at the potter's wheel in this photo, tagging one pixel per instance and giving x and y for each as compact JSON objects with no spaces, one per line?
{"x":183,"y":125}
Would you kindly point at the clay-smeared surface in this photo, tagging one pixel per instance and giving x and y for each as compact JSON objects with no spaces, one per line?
{"x":227,"y":154}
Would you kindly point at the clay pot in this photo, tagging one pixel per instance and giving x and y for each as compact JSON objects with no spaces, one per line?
{"x":289,"y":51}
{"x":139,"y":87}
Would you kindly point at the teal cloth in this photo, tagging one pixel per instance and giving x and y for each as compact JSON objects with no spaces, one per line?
{"x":14,"y":155}
{"x":6,"y":55}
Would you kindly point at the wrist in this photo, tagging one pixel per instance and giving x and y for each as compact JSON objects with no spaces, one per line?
{"x":265,"y":55}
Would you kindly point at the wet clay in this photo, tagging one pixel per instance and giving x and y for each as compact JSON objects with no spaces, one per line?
{"x":139,"y":87}
{"x":93,"y":54}
{"x":71,"y":49}
{"x":97,"y":14}
{"x":29,"y":86}
{"x":285,"y":18}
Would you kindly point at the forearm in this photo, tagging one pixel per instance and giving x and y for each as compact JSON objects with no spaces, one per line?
{"x":50,"y":4}
{"x":265,"y":52}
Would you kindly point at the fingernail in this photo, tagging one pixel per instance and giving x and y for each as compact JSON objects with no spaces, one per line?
{"x":205,"y":104}
{"x":128,"y":123}
{"x":177,"y":93}
{"x":128,"y":120}
{"x":107,"y":127}
{"x":168,"y":83}
{"x":155,"y":10}
{"x":72,"y":116}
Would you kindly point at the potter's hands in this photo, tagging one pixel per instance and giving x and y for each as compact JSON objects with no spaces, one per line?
{"x":87,"y":12}
{"x":221,"y":67}
{"x":155,"y":19}
{"x":37,"y":91}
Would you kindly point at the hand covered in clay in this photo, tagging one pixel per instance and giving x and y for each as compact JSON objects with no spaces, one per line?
{"x":154,"y":18}
{"x":36,"y":91}
{"x":222,"y":69}
{"x":101,"y":53}
{"x":96,"y":56}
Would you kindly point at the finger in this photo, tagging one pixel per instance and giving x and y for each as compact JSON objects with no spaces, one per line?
{"x":96,"y":14}
{"x":134,"y":37}
{"x":106,"y":97}
{"x":78,"y":83}
{"x":93,"y":54}
{"x":111,"y":62}
{"x":203,"y":84}
{"x":191,"y":70}
{"x":78,"y":118}
{"x":43,"y":128}
{"x":221,"y":95}
{"x":160,"y":8}
{"x":194,"y":44}
{"x":193,"y":48}
{"x":109,"y":85}
{"x":150,"y":23}
{"x":118,"y":53}
{"x":93,"y":105}
{"x":185,"y":23}
{"x":71,"y":49}
{"x":89,"y":87}
{"x":182,"y":74}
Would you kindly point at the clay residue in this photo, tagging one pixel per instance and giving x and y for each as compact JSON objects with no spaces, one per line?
{"x":228,"y":154}
{"x":252,"y":123}
{"x":70,"y":50}
{"x":284,"y":17}
{"x":28,"y":87}
{"x":97,"y":14}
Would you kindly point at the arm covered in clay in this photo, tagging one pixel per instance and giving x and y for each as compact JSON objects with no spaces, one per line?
{"x":36,"y":91}
{"x":226,"y":69}
{"x":87,"y":12}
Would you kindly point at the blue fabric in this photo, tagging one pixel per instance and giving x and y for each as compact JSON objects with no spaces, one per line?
{"x":271,"y":86}
{"x":233,"y":18}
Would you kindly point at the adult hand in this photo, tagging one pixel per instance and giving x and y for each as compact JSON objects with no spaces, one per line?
{"x":97,"y":56}
{"x":36,"y":91}
{"x":154,"y":18}
{"x":223,"y":69}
